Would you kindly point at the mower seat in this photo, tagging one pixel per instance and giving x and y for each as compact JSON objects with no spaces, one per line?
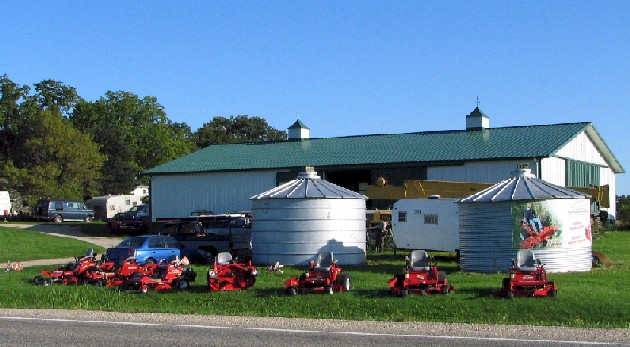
{"x":419,"y":260}
{"x":324,"y":261}
{"x":224,"y":258}
{"x":525,"y":260}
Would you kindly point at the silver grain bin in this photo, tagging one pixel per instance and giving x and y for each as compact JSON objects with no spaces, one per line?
{"x":294,"y":221}
{"x":525,"y":212}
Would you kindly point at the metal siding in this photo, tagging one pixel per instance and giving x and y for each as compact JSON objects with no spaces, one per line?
{"x":582,"y":148}
{"x":482,"y":171}
{"x":607,"y":176}
{"x":178,"y":195}
{"x":553,"y":170}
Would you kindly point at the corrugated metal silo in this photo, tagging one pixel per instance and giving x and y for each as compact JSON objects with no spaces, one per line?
{"x":525,"y":212}
{"x":293,"y":222}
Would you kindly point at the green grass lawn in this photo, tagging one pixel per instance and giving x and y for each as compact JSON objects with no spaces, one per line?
{"x":21,"y":244}
{"x":596,"y":299}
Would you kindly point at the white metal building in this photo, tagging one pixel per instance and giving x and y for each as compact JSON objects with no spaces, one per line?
{"x":222,"y":178}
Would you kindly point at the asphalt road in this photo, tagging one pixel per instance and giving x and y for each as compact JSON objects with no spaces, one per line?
{"x":87,"y":328}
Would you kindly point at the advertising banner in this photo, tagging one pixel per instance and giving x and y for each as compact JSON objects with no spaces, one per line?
{"x":556,"y":223}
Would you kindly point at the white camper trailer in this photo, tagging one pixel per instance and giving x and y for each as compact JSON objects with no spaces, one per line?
{"x":430,"y":224}
{"x":5,"y":204}
{"x":107,"y":206}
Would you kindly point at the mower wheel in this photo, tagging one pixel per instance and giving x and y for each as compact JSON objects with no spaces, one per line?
{"x":404,"y":292}
{"x":441,"y":276}
{"x":328,"y":289}
{"x":144,"y":290}
{"x":510,"y":294}
{"x":97,"y":284}
{"x":553,"y":293}
{"x":292,"y":291}
{"x":182,"y":284}
{"x":149,"y":261}
{"x":345,"y":281}
{"x":444,"y":289}
{"x":39,"y":280}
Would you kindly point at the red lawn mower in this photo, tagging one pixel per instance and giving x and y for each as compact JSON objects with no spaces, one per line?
{"x":421,"y":276}
{"x":72,"y":273}
{"x":165,"y":276}
{"x":226,"y":274}
{"x":110,"y":275}
{"x":322,"y":275}
{"x":528,"y":277}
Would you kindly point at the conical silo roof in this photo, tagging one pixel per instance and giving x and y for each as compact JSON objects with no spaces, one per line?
{"x":308,"y":186}
{"x":523,"y":186}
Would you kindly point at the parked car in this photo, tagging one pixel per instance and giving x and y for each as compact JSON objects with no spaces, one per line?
{"x":136,"y":220}
{"x":58,"y":210}
{"x":145,"y":248}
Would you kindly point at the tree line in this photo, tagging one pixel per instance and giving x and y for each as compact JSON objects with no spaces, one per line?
{"x":54,"y":143}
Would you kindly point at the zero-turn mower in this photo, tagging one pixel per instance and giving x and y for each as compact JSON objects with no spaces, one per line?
{"x":420,"y":276}
{"x":528,"y":277}
{"x":323,"y":275}
{"x":226,"y":274}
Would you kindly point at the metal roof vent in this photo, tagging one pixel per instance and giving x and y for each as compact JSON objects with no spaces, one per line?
{"x":477,"y":120}
{"x":299,"y":131}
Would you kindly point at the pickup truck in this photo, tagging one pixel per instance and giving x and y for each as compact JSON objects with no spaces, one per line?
{"x":134,"y":221}
{"x":203,"y":237}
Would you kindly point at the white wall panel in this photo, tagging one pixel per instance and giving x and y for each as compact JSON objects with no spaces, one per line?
{"x":222,"y":192}
{"x":582,"y":148}
{"x":481,"y":171}
{"x":553,"y":170}
{"x":607,"y":176}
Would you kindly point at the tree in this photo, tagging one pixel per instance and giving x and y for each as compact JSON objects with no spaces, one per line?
{"x":238,"y":129}
{"x":135,"y":135}
{"x":11,"y":95}
{"x":63,"y":162}
{"x":623,"y":210}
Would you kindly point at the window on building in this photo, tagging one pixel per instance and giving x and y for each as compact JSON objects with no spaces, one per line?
{"x":430,"y":219}
{"x":581,"y":174}
{"x":402,"y":216}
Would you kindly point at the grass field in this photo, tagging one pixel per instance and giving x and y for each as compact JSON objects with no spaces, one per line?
{"x":597,"y":299}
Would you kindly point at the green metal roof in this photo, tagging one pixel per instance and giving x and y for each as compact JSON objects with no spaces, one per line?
{"x":423,"y":147}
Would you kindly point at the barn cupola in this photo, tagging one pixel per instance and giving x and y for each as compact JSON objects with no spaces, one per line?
{"x":298,"y":131}
{"x":477,"y":120}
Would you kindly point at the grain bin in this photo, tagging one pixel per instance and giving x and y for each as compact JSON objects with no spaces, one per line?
{"x":525,"y":212}
{"x":296,"y":220}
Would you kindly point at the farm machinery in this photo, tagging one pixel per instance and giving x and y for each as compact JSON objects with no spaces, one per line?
{"x":536,"y":237}
{"x":323,"y":275}
{"x":226,"y":274}
{"x":420,"y":276}
{"x":166,"y":275}
{"x":113,"y":276}
{"x":72,"y":273}
{"x":528,"y":277}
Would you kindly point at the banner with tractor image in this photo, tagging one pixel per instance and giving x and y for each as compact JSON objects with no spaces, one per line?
{"x":553,"y":223}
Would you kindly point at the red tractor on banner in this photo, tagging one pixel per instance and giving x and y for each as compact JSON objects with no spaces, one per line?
{"x":323,"y":275}
{"x":226,"y":274}
{"x":528,"y":277}
{"x":536,"y":237}
{"x":421,"y":276}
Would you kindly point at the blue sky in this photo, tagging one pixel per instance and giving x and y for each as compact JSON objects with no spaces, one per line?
{"x":346,"y":67}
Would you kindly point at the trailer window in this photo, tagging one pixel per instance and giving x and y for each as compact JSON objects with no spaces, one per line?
{"x":430,"y":219}
{"x":402,"y":216}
